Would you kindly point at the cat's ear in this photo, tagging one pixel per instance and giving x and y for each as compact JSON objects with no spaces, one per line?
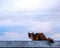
{"x":28,"y":32}
{"x":32,"y":32}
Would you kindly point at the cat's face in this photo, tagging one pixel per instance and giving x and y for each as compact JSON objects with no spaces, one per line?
{"x":30,"y":35}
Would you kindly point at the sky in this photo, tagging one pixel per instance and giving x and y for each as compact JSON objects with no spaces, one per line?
{"x":18,"y":17}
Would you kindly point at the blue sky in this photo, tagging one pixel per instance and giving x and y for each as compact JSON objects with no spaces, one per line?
{"x":18,"y":17}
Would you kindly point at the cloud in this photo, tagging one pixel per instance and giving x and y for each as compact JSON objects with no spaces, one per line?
{"x":34,"y":23}
{"x":29,"y":5}
{"x":56,"y":36}
{"x":13,"y":36}
{"x":38,"y":26}
{"x":29,"y":20}
{"x":31,"y":24}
